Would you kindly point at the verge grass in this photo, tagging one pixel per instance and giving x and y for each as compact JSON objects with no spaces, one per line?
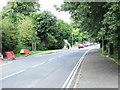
{"x":113,"y":56}
{"x":32,"y":53}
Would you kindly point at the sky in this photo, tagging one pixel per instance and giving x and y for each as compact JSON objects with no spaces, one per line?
{"x":47,"y":5}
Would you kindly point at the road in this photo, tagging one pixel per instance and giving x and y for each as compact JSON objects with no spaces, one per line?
{"x":41,"y":71}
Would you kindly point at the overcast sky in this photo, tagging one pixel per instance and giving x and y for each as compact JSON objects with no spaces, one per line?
{"x":47,"y":5}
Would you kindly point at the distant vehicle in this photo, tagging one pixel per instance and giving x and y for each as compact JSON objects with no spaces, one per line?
{"x":90,"y":44}
{"x":81,"y":46}
{"x":86,"y":45}
{"x":95,"y":43}
{"x":1,"y":56}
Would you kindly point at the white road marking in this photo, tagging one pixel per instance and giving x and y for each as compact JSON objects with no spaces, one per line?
{"x":6,"y":63}
{"x":42,"y":63}
{"x":72,"y":74}
{"x":51,"y":59}
{"x":12,"y":74}
{"x":36,"y":65}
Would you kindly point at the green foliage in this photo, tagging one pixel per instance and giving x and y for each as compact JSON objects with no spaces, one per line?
{"x":111,"y":23}
{"x":98,"y":19}
{"x":25,"y":30}
{"x":80,"y":37}
{"x":45,"y":22}
{"x":63,"y":31}
{"x":17,"y":26}
{"x":23,"y":26}
{"x":50,"y":30}
{"x":21,"y":46}
{"x":9,"y":35}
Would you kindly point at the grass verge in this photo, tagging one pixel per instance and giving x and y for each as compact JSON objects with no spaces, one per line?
{"x":114,"y":56}
{"x":32,"y":53}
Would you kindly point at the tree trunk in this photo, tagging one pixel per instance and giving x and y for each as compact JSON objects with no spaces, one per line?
{"x":100,"y":41}
{"x":105,"y":43}
{"x":110,"y":50}
{"x":119,"y":52}
{"x":102,"y":45}
{"x":43,"y":42}
{"x":33,"y":46}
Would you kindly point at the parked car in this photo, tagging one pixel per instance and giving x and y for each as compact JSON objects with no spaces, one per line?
{"x":1,"y":56}
{"x":86,"y":45}
{"x":81,"y":46}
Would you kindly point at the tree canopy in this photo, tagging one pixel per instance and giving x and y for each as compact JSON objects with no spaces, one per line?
{"x":24,"y":26}
{"x":98,"y":19}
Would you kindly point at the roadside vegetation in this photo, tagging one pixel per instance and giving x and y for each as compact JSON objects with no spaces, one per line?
{"x":113,"y":56}
{"x":101,"y":22}
{"x":24,"y":26}
{"x":32,"y":53}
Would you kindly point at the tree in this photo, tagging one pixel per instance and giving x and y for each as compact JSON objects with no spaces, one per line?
{"x":100,"y":20}
{"x":27,"y":27}
{"x":9,"y":35}
{"x":63,"y":31}
{"x":16,"y":16}
{"x":25,"y":30}
{"x":45,"y":22}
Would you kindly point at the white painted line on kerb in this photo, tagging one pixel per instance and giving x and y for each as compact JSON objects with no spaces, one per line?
{"x":12,"y":74}
{"x":72,"y":74}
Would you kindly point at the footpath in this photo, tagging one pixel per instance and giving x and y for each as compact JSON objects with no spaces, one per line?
{"x":97,"y":71}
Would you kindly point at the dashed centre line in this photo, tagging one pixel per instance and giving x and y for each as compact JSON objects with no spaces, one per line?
{"x":38,"y":64}
{"x":42,"y":63}
{"x":51,"y":59}
{"x":12,"y":74}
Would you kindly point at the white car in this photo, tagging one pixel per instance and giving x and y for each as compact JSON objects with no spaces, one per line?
{"x":1,"y":56}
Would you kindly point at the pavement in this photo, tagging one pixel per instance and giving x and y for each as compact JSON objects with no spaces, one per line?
{"x":41,"y":71}
{"x":97,"y":71}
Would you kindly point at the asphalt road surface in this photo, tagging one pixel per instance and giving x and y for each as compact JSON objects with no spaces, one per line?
{"x":41,"y":71}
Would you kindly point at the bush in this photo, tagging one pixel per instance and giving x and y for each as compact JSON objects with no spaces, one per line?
{"x":21,"y":46}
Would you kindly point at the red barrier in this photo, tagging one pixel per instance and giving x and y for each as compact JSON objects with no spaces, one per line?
{"x":26,"y":52}
{"x":2,"y":59}
{"x":10,"y":55}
